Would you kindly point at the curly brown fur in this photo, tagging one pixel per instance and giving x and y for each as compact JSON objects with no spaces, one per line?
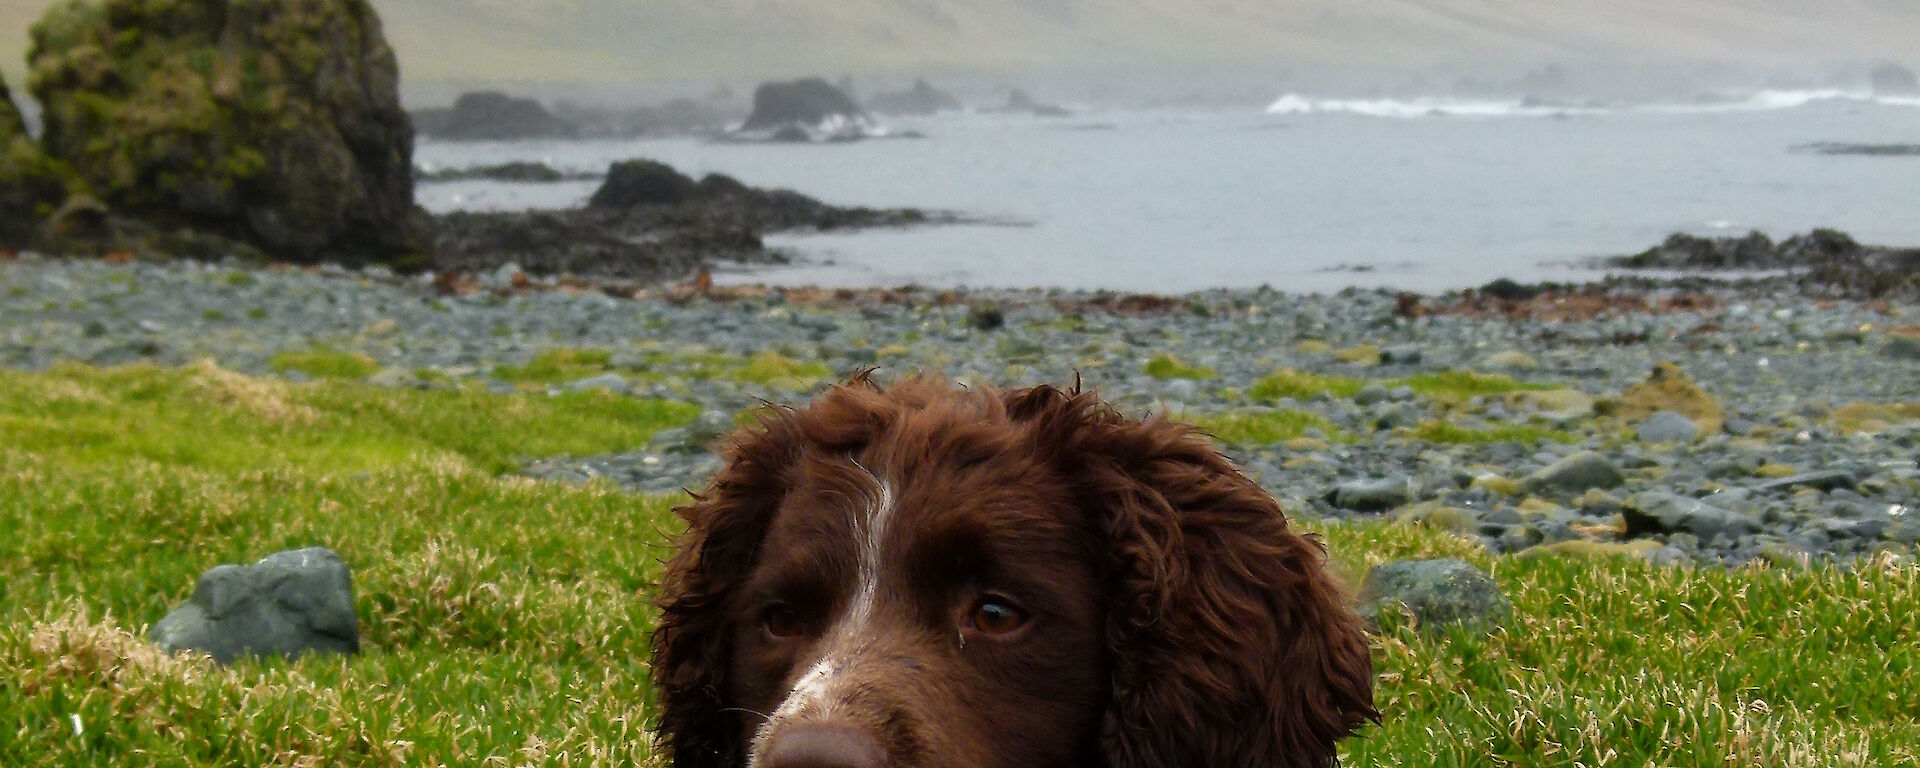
{"x":821,"y":608}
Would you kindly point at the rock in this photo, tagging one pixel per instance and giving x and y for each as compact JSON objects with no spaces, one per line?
{"x":1668,"y":427}
{"x":807,"y":104}
{"x":1555,"y":404}
{"x":519,"y":170}
{"x":1658,"y":512}
{"x":1893,"y":80}
{"x":921,"y":99}
{"x":1576,"y":474}
{"x":1667,"y":388}
{"x":636,"y":183}
{"x":287,"y":604}
{"x":271,"y":122}
{"x":1402,"y":354}
{"x":1683,"y":251}
{"x":1372,"y":495}
{"x":608,"y":382}
{"x":1826,"y":480}
{"x":1509,"y":361}
{"x":1436,"y":593}
{"x":493,"y":116}
{"x":1020,"y":101}
{"x":1372,"y":393}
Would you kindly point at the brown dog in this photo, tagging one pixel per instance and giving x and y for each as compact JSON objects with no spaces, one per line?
{"x":926,"y":575}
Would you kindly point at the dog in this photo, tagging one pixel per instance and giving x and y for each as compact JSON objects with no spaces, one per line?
{"x":928,"y":575}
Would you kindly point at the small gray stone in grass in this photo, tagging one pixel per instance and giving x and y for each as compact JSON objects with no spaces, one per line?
{"x":1436,"y":593}
{"x":287,"y":604}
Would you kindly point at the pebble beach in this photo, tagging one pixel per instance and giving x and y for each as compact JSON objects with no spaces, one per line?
{"x":1538,"y":433}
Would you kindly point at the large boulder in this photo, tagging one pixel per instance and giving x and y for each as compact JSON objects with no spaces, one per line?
{"x":921,"y":99}
{"x":287,"y":604}
{"x":808,"y":103}
{"x":493,"y":116}
{"x":270,"y":122}
{"x":635,"y":183}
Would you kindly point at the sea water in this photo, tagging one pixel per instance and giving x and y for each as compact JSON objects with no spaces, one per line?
{"x":1305,"y":194}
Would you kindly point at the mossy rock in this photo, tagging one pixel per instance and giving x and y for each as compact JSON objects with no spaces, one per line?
{"x":32,"y":185}
{"x":1872,"y":417}
{"x":1668,"y":388}
{"x":270,"y":122}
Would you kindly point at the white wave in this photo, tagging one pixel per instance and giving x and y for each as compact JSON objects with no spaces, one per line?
{"x":1761,"y":101}
{"x":1295,"y":104}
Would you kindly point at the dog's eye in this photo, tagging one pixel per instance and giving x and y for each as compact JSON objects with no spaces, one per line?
{"x":781,"y":621}
{"x":995,"y":616}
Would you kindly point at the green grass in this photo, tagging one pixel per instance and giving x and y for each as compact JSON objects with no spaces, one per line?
{"x":1302,"y":385}
{"x":505,"y":620}
{"x":555,"y":366}
{"x":1439,"y":385}
{"x":326,"y":363}
{"x":1165,"y":366}
{"x":1435,"y":431}
{"x":1260,"y":427}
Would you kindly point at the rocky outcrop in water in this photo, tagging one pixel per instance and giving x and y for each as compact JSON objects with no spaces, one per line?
{"x":492,"y":116}
{"x":921,"y":99}
{"x":647,"y":222}
{"x":1823,"y":262}
{"x":672,"y":117}
{"x":1020,"y":101}
{"x":809,"y":105}
{"x":270,"y":123}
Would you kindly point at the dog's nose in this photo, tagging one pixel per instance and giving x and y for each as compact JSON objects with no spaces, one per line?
{"x":823,"y":746}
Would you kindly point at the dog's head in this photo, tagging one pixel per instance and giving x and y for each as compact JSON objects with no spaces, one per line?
{"x":925,"y":575}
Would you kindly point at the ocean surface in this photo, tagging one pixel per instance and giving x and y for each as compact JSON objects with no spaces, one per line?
{"x":1305,"y":194}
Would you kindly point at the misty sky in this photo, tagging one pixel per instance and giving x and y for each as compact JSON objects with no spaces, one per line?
{"x":615,"y":41}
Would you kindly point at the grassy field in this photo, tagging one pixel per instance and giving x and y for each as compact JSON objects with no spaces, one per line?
{"x":505,"y":621}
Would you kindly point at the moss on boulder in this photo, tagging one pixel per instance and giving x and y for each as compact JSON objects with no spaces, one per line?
{"x":32,"y":185}
{"x":270,"y":122}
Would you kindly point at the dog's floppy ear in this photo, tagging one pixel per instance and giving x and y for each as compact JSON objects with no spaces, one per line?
{"x":692,"y":644}
{"x":1231,"y":644}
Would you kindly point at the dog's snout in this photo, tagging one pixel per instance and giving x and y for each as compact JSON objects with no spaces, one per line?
{"x":823,"y":746}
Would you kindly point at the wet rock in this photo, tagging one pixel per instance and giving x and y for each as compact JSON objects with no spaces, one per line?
{"x":1825,"y":480}
{"x":1576,"y":474}
{"x":273,"y":122}
{"x":492,"y":116}
{"x":1435,"y":593}
{"x":1668,"y":427}
{"x":287,"y":604}
{"x":1659,"y":513}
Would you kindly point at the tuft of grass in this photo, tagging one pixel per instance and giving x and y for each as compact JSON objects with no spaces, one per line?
{"x":1166,"y":366}
{"x":1263,"y":427}
{"x":1460,"y":385}
{"x":1873,"y":417}
{"x":1436,"y":431}
{"x":326,"y":363}
{"x":555,"y":366}
{"x":1302,"y":385}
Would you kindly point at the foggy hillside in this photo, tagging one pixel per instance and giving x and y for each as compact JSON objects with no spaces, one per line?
{"x":606,"y":41}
